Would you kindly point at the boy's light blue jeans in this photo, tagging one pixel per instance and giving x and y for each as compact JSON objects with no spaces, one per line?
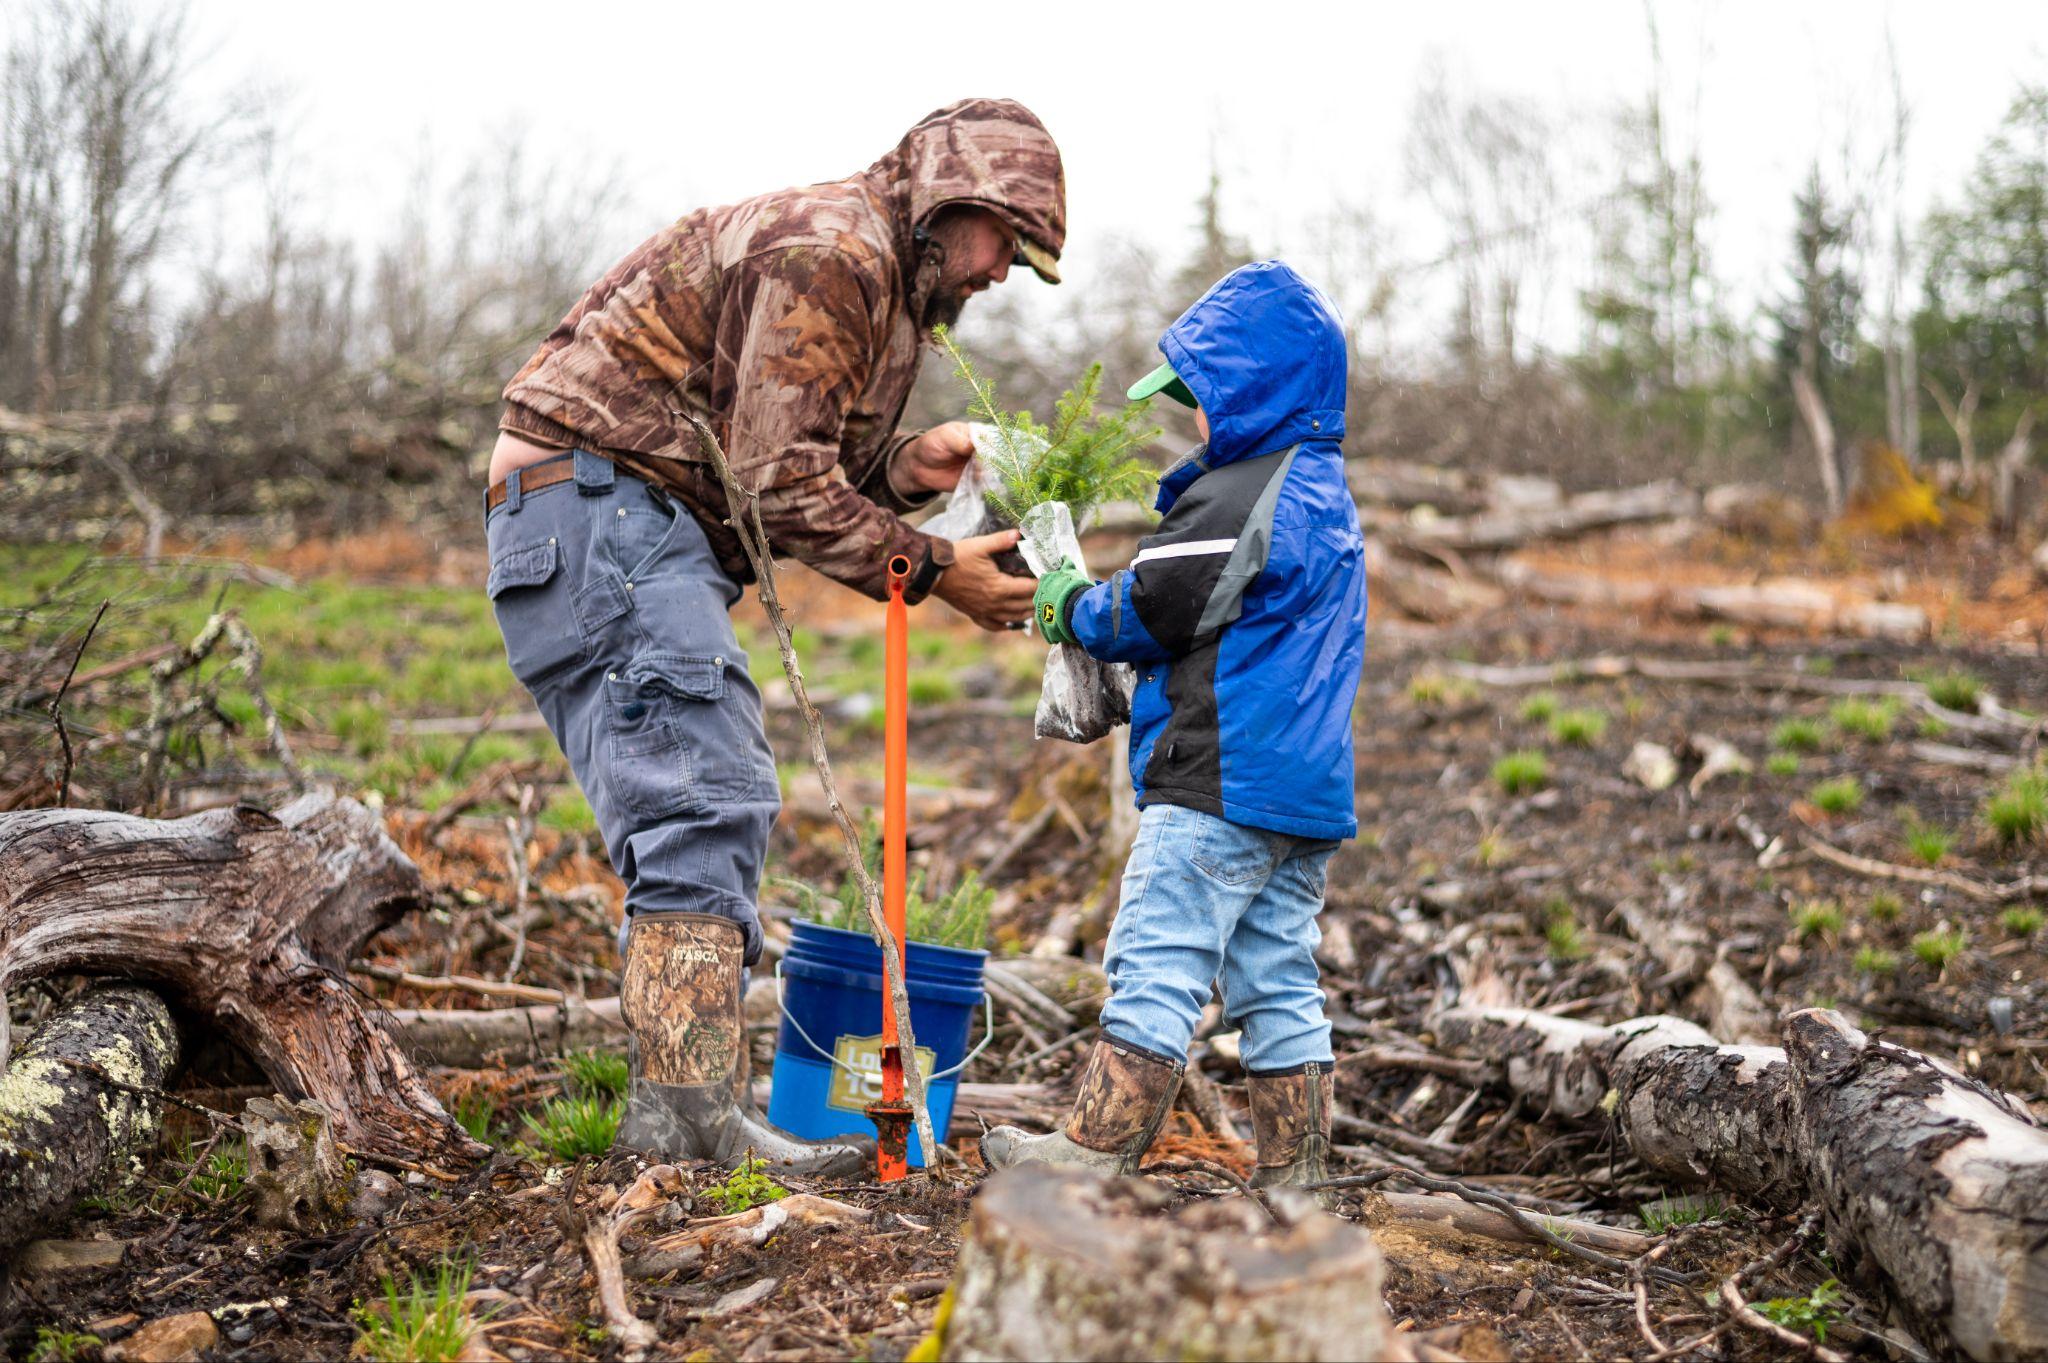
{"x":1205,"y":898}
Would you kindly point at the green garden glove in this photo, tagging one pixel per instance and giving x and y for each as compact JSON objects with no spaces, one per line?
{"x":1049,"y":602}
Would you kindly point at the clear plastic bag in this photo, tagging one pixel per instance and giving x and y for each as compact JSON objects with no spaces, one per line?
{"x":1082,"y":699}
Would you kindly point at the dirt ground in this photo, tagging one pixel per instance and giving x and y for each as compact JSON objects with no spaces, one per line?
{"x":1455,"y":887}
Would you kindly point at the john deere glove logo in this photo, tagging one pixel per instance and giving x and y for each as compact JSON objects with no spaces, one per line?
{"x":857,"y":1078}
{"x":1047,"y":612}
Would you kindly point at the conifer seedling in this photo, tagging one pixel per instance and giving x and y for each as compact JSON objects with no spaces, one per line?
{"x":1085,"y":458}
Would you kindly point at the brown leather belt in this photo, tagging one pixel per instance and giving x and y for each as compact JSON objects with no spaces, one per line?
{"x":533,"y":478}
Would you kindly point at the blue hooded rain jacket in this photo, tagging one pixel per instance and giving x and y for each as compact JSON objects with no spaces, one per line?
{"x":1245,"y":612}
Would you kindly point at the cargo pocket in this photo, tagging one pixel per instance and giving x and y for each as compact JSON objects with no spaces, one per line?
{"x":661,"y":706}
{"x":539,"y":629}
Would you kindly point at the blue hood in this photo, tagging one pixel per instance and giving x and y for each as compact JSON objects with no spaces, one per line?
{"x":1263,"y":352}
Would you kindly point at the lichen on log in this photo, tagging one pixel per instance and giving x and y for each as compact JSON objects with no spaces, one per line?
{"x":75,"y":1106}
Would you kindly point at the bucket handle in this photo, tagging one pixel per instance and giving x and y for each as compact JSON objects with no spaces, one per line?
{"x":988,"y":1032}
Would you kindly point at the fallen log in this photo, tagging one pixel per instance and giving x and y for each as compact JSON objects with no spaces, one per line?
{"x":477,"y":1038}
{"x":1064,"y":1264}
{"x":1578,"y":515}
{"x":247,"y":920}
{"x":1780,"y":604}
{"x":75,"y":1105}
{"x":1934,"y":1188}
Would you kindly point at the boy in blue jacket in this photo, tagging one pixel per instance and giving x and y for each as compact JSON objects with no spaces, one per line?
{"x":1245,"y":618}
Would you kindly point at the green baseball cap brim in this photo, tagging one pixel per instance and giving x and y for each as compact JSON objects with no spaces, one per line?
{"x":1163,"y":380}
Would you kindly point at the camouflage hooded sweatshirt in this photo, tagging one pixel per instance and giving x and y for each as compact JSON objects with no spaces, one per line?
{"x":788,"y":323}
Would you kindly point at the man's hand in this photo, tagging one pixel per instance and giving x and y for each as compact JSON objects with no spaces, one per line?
{"x":1049,"y":603}
{"x":981,"y":591}
{"x":933,"y":462}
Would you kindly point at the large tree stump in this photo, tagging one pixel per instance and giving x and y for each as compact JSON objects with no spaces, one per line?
{"x":65,"y":1129}
{"x":248,"y":920}
{"x":1062,"y":1264}
{"x":1935,"y":1187}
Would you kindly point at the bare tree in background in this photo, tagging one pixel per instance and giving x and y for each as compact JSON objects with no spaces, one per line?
{"x":100,"y":145}
{"x":1484,"y":164}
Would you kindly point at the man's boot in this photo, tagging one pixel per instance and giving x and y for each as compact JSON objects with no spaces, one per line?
{"x":681,"y":999}
{"x":1291,"y":1117}
{"x":1122,"y":1102}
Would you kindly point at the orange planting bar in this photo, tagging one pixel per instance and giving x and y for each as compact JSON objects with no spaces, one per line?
{"x":892,"y":1115}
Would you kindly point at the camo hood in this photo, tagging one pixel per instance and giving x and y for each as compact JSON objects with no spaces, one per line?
{"x":991,"y":153}
{"x":789,"y":323}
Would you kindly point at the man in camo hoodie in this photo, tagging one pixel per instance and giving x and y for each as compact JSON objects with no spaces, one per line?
{"x":791,"y":324}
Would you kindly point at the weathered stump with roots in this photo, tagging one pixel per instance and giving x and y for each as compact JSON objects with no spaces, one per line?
{"x":1069,"y":1265}
{"x":1934,"y":1186}
{"x":248,"y":921}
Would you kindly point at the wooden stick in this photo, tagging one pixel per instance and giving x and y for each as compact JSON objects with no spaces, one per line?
{"x":57,"y":705}
{"x":1989,"y":892}
{"x":753,"y":537}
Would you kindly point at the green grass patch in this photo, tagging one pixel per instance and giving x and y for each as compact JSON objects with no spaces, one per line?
{"x":2022,"y":920}
{"x":1871,"y":719}
{"x":1798,"y":735}
{"x":476,"y":1112}
{"x":568,"y":812}
{"x":2019,"y":812}
{"x":1928,"y":843}
{"x":1875,"y":960}
{"x":1955,"y":689}
{"x":1561,"y":934}
{"x":747,"y":1188}
{"x":1431,"y":687}
{"x":1782,"y":764}
{"x":1885,"y":907}
{"x":1539,"y":708}
{"x":1938,"y":947}
{"x":569,"y":1128}
{"x":1813,"y":918}
{"x":1578,"y":728}
{"x":932,"y":688}
{"x":1843,"y":795}
{"x":1932,"y":726}
{"x":424,"y":1322}
{"x":1669,"y":1213}
{"x":597,"y":1074}
{"x":1518,"y":773}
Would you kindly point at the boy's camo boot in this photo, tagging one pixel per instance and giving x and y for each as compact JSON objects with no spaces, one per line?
{"x":1291,"y":1117}
{"x":1122,"y":1102}
{"x":681,"y":999}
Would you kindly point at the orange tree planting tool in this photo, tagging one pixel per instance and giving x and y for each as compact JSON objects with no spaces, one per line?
{"x":892,"y":1115}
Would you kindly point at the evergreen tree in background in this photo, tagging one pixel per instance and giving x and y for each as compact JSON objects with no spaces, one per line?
{"x":1983,"y":329}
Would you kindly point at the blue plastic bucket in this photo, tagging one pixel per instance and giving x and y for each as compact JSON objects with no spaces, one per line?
{"x":828,"y":1053}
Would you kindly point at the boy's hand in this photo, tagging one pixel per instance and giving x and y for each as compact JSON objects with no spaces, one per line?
{"x":1049,"y":603}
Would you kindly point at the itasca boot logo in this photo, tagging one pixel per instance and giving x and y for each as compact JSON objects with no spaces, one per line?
{"x":693,"y":955}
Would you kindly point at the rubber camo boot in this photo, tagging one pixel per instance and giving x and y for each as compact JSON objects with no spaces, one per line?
{"x":681,"y":1000}
{"x":1123,"y":1100}
{"x":1291,"y":1117}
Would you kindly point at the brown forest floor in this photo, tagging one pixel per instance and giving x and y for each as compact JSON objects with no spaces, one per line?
{"x":1452,"y":884}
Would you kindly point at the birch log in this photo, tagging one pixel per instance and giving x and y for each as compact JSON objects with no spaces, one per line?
{"x":247,"y":920}
{"x":1935,"y":1187}
{"x":65,"y":1130}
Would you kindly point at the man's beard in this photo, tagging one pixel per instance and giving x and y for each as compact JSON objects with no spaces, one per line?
{"x":942,"y":309}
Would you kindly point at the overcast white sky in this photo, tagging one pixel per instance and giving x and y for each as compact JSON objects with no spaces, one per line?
{"x":695,"y":103}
